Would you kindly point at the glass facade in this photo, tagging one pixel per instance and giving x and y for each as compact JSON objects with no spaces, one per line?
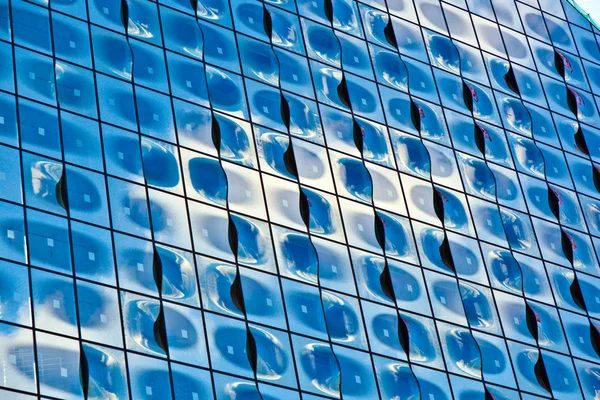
{"x":299,"y":199}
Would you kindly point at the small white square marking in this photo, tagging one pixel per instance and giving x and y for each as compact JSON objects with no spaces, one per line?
{"x":63,"y":372}
{"x":304,"y":309}
{"x":140,"y":267}
{"x":41,"y":131}
{"x":360,"y":227}
{"x":184,"y":334}
{"x":50,"y":242}
{"x":56,"y":304}
{"x":91,"y":256}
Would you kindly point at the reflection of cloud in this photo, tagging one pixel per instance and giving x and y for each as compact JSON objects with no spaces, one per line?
{"x":591,"y":7}
{"x":42,"y":174}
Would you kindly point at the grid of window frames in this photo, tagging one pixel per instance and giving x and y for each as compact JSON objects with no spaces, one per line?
{"x":307,"y":199}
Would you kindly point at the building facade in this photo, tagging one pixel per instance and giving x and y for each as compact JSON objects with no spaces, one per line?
{"x":299,"y":199}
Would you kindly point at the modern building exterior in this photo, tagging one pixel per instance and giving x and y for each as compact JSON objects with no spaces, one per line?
{"x":299,"y":199}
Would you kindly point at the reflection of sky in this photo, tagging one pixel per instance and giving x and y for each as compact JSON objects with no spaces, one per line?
{"x":591,"y":7}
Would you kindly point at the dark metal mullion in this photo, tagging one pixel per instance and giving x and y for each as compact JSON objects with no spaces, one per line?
{"x":504,"y":337}
{"x":444,"y":229}
{"x":187,"y":210}
{"x":531,"y":221}
{"x":279,"y":277}
{"x":67,"y":208}
{"x":591,"y":159}
{"x":470,"y":211}
{"x":375,"y":216}
{"x":588,"y":234}
{"x":148,"y":203}
{"x":397,"y":172}
{"x":122,"y":350}
{"x":245,"y":95}
{"x":23,"y":206}
{"x":455,"y":275}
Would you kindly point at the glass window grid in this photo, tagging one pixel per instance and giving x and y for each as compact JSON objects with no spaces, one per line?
{"x":65,"y":163}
